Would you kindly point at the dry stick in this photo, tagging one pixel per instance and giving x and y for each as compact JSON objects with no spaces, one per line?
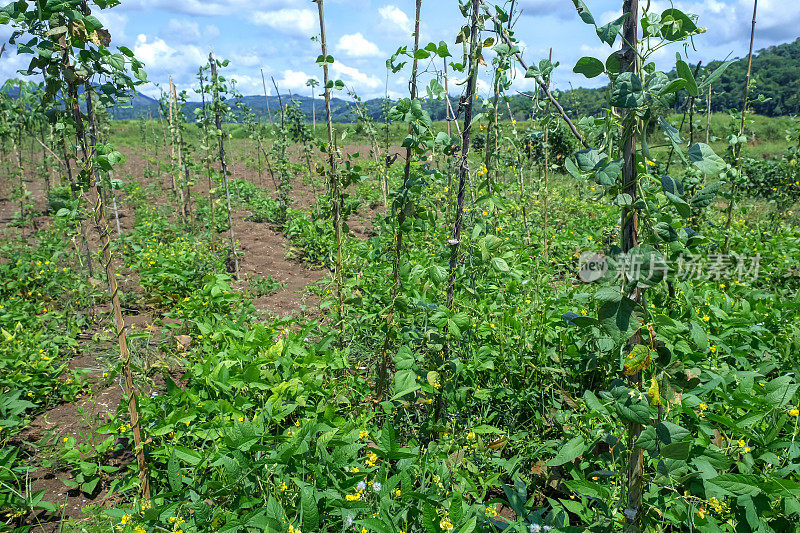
{"x":177,"y":155}
{"x":266,"y":157}
{"x":186,"y":198}
{"x":541,"y":84}
{"x":691,"y":108}
{"x":266,"y":98}
{"x":630,"y":239}
{"x":222,"y":163}
{"x":401,"y":218}
{"x":708,"y":113}
{"x":490,"y":146}
{"x":373,"y":142}
{"x":546,"y":202}
{"x":738,"y":148}
{"x":463,"y":173}
{"x":336,"y":199}
{"x":207,"y":143}
{"x":74,"y":187}
{"x":280,"y":99}
{"x":101,"y":223}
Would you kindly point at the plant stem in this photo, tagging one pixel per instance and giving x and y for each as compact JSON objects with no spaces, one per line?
{"x":738,"y":147}
{"x":223,"y":166}
{"x":336,"y":198}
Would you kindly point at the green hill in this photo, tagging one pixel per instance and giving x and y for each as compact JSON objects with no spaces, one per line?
{"x":776,"y":91}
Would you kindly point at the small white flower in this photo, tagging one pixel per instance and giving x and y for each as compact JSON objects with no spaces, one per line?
{"x":376,"y":487}
{"x":349,"y":521}
{"x":546,"y":528}
{"x":361,"y":485}
{"x":453,"y":242}
{"x":534,"y":528}
{"x":630,"y":513}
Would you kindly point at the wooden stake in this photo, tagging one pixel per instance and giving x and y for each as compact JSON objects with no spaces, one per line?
{"x":222,"y":163}
{"x":333,"y":180}
{"x":101,"y":224}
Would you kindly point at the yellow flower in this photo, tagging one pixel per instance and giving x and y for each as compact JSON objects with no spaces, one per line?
{"x":283,"y":487}
{"x":747,"y":449}
{"x":703,"y":407}
{"x":125,"y":519}
{"x":794,"y":412}
{"x":491,"y":511}
{"x":712,"y":348}
{"x":702,"y":512}
{"x":445,"y":525}
{"x":706,"y":318}
{"x":363,"y":434}
{"x":470,"y":435}
{"x":398,"y":492}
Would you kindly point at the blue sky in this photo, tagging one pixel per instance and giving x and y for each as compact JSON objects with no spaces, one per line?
{"x":173,"y":37}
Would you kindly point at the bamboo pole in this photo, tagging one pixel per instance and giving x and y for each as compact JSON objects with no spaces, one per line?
{"x":333,"y":179}
{"x":222,"y":163}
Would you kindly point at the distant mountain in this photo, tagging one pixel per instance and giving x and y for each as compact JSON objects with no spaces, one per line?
{"x":144,"y":106}
{"x":775,"y":75}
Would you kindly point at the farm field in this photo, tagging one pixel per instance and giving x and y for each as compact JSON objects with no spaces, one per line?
{"x":215,"y":322}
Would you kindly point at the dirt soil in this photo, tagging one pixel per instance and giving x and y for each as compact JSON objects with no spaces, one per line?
{"x":264,"y":248}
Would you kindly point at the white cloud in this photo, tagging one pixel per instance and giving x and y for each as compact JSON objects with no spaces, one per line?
{"x":294,"y":81}
{"x":395,"y":19}
{"x":355,"y":78}
{"x":292,"y":21}
{"x":114,"y":23}
{"x":355,"y":45}
{"x":163,"y":60}
{"x":209,"y":8}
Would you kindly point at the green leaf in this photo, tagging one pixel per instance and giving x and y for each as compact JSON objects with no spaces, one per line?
{"x":705,"y":196}
{"x":780,"y":390}
{"x":584,"y":12}
{"x":616,"y":313}
{"x":665,"y":232}
{"x":310,"y":511}
{"x":699,"y":337}
{"x":588,"y":489}
{"x":609,"y":174}
{"x":677,"y":450}
{"x":117,"y":61}
{"x":500,"y":264}
{"x":627,"y":91}
{"x":714,"y":76}
{"x":405,"y":382}
{"x":676,"y":25}
{"x":634,"y":411}
{"x":672,"y":87}
{"x":608,"y":33}
{"x":430,"y":520}
{"x":185,"y":454}
{"x":174,"y":472}
{"x":685,"y":73}
{"x":704,"y":158}
{"x":589,"y":67}
{"x":737,"y":484}
{"x":569,"y":452}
